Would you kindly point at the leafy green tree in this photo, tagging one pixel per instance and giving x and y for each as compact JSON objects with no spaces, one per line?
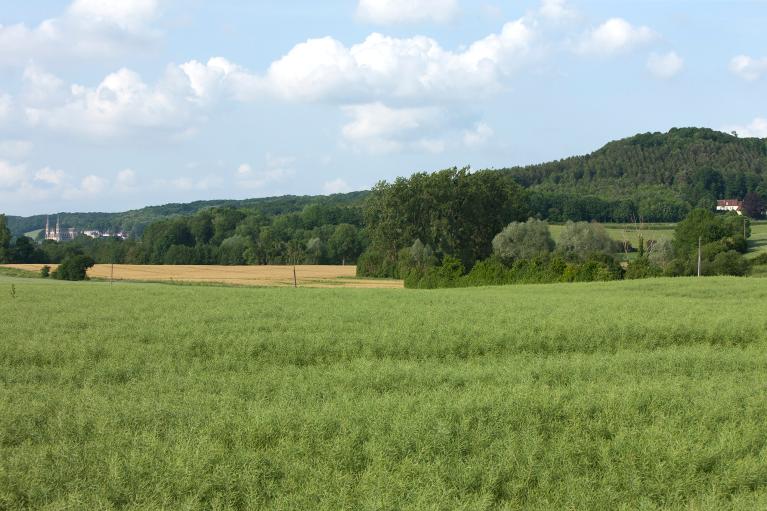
{"x":74,"y":267}
{"x":457,"y":212}
{"x":753,"y":205}
{"x":5,"y":240}
{"x":314,"y":250}
{"x":343,"y":243}
{"x":201,"y":227}
{"x":700,"y":224}
{"x":25,"y":251}
{"x":580,"y":240}
{"x":523,"y":241}
{"x":232,"y":250}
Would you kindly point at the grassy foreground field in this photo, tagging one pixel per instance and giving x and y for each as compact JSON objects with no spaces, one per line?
{"x":624,"y":395}
{"x":271,"y":276}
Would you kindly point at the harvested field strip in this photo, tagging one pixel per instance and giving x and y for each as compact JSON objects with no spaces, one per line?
{"x":277,"y":276}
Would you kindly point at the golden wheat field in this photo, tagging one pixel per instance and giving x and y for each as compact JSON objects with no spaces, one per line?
{"x":272,"y":276}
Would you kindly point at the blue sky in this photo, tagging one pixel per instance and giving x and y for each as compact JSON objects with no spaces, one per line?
{"x":107,"y":105}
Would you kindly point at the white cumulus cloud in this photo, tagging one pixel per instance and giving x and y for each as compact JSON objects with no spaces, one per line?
{"x":614,"y":36}
{"x":382,"y":66}
{"x":121,"y":103}
{"x":665,"y":65}
{"x":478,"y":136}
{"x":755,"y":129}
{"x":388,"y":12}
{"x":50,"y":176}
{"x":380,"y":129}
{"x":88,"y":28}
{"x":557,"y":10}
{"x":748,"y":68}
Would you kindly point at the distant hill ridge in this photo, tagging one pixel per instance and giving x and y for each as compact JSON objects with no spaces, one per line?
{"x":134,"y":221}
{"x":673,"y":159}
{"x":693,"y":163}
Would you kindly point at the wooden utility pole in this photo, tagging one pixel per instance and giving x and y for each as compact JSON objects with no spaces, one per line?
{"x":700,"y":240}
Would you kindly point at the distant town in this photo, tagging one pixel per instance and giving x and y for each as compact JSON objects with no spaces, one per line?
{"x":68,"y":234}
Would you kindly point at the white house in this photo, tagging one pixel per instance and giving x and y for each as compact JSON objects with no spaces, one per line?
{"x":730,"y":205}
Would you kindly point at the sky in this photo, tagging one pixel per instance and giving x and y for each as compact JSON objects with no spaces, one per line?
{"x":109,"y":105}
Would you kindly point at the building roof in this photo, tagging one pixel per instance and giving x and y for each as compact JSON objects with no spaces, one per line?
{"x":729,"y":202}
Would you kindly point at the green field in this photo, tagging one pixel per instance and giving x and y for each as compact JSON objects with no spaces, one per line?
{"x":630,"y":232}
{"x":625,"y":395}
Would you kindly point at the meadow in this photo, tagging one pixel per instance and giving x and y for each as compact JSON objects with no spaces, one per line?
{"x":622,"y":395}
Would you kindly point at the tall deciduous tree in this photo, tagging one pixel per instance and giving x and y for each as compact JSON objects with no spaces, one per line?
{"x":5,"y":240}
{"x":753,"y":205}
{"x":343,"y":243}
{"x":455,"y":211}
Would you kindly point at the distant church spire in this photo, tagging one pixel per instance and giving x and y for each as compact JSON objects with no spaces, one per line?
{"x":47,"y":227}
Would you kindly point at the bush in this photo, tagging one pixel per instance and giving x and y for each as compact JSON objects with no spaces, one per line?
{"x":74,"y":267}
{"x":376,"y":264}
{"x":642,"y":268}
{"x":448,"y":274}
{"x":579,"y":240}
{"x":728,"y":263}
{"x":418,"y":257}
{"x":45,"y":271}
{"x":490,"y":272}
{"x":598,"y":267}
{"x":523,"y":241}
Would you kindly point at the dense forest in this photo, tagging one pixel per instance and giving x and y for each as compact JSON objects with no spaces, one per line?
{"x":452,"y":215}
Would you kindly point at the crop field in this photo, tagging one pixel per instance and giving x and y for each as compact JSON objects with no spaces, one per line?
{"x":624,"y":395}
{"x":273,"y":276}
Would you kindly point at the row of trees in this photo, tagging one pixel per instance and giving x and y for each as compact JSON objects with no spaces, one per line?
{"x":319,"y":234}
{"x":525,"y":252}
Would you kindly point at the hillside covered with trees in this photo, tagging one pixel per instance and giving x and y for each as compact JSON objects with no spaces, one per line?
{"x":453,"y":213}
{"x":135,"y":221}
{"x":656,"y":176}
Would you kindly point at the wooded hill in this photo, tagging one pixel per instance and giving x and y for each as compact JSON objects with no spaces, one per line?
{"x":677,"y":160}
{"x":655,"y":176}
{"x":135,"y":222}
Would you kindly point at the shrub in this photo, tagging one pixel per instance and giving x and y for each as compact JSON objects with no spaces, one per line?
{"x":579,"y":240}
{"x":418,"y":257}
{"x":448,"y":274}
{"x":523,"y":241}
{"x":661,"y":253}
{"x":728,"y":263}
{"x":74,"y":267}
{"x":375,"y":263}
{"x":642,"y":268}
{"x":45,"y":271}
{"x":490,"y":272}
